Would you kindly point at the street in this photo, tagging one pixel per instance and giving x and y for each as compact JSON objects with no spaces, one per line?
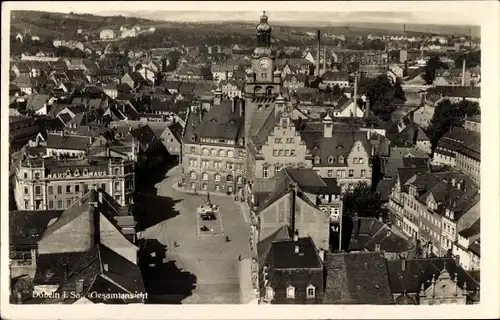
{"x":213,"y":261}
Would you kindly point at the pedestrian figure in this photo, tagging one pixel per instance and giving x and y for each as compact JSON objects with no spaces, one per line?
{"x":227,"y":238}
{"x":176,"y":244}
{"x":239,"y":257}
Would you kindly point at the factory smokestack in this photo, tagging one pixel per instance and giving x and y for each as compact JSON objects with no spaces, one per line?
{"x":318,"y":49}
{"x":463,"y":72}
{"x":324,"y":58}
{"x":355,"y":96}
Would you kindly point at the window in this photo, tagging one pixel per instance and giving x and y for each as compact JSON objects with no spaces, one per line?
{"x":277,"y":169}
{"x":277,"y":140}
{"x":289,"y":140}
{"x":117,"y":171}
{"x":275,"y":153}
{"x":330,"y":173}
{"x":205,"y":163}
{"x":287,"y":153}
{"x":68,"y":203}
{"x":355,"y":160}
{"x":351,"y":173}
{"x":239,"y":179}
{"x":229,"y":166}
{"x":117,"y":186}
{"x":213,"y":152}
{"x":37,"y":175}
{"x":77,"y":188}
{"x":192,"y":150}
{"x":205,"y":186}
{"x":311,"y":291}
{"x":204,"y":176}
{"x":292,"y":153}
{"x":363,"y":173}
{"x":341,"y":159}
{"x":217,"y":177}
{"x":340,"y":174}
{"x":59,"y":204}
{"x":229,"y":178}
{"x":205,"y":152}
{"x":290,"y":292}
{"x":26,"y":191}
{"x":230,"y":154}
{"x":25,"y":175}
{"x":280,"y":152}
{"x":51,"y":204}
{"x":68,"y":189}
{"x":360,"y":160}
{"x":330,"y":160}
{"x":217,"y":164}
{"x":222,"y":153}
{"x":103,"y":186}
{"x":265,"y":171}
{"x":317,"y":160}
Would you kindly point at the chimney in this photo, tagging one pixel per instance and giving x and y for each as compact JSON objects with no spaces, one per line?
{"x":227,"y":75}
{"x":463,"y":72}
{"x":297,"y":249}
{"x":296,"y":236}
{"x":328,"y":126}
{"x":377,"y":246}
{"x":233,"y":108}
{"x":457,"y":260}
{"x":318,"y":49}
{"x":367,"y":108}
{"x":106,"y":267}
{"x":403,"y":264}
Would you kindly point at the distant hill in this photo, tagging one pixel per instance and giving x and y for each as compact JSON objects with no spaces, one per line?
{"x":56,"y":24}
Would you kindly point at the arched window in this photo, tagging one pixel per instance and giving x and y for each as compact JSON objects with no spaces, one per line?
{"x":317,"y":160}
{"x":290,"y":292}
{"x":217,"y":177}
{"x":213,"y":152}
{"x":192,"y":175}
{"x":311,"y":291}
{"x":257,"y":89}
{"x":117,"y":171}
{"x":341,"y":159}
{"x":85,"y":171}
{"x":229,"y":178}
{"x":269,"y":293}
{"x":222,"y":153}
{"x":269,"y":90}
{"x":239,"y":179}
{"x":204,"y":176}
{"x":77,"y":172}
{"x":205,"y":152}
{"x":68,"y":172}
{"x":205,"y":186}
{"x":230,"y":154}
{"x":330,"y":159}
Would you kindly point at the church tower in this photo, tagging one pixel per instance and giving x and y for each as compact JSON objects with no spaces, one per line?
{"x":261,"y":87}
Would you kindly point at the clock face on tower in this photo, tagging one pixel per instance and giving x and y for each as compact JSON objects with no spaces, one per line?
{"x":264,"y":63}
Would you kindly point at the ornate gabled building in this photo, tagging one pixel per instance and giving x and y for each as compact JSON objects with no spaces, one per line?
{"x":261,"y":131}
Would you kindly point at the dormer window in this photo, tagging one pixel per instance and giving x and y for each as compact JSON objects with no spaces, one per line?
{"x":290,"y":292}
{"x":311,"y":291}
{"x":77,"y":172}
{"x":68,"y":172}
{"x":317,"y":160}
{"x":341,"y":159}
{"x":330,"y":160}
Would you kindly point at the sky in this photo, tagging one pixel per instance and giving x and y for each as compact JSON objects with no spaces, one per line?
{"x":411,"y":12}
